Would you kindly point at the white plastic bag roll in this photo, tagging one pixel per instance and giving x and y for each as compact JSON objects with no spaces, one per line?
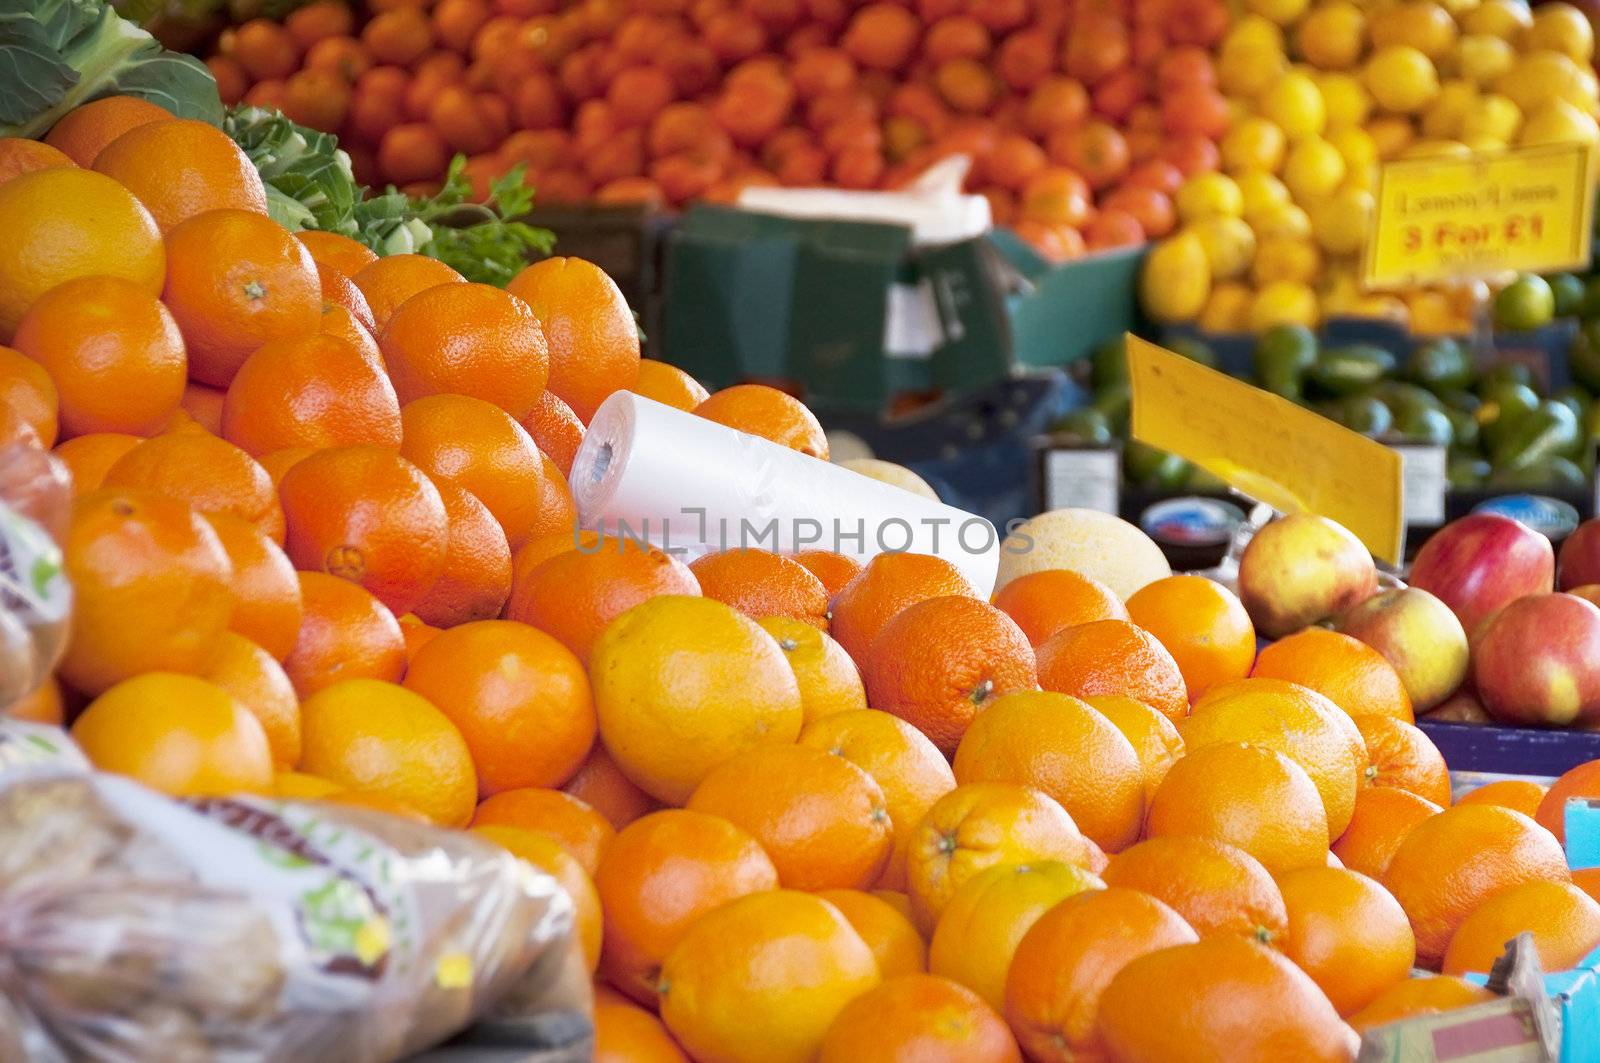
{"x":686,"y":484}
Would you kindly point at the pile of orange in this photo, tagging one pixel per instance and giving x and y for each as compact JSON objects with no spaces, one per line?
{"x":1081,"y":120}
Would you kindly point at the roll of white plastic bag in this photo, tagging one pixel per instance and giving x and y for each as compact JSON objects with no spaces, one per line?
{"x":688,"y":485}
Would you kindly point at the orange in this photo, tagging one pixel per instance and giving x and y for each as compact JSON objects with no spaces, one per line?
{"x":820,"y":817}
{"x":988,"y":915}
{"x":1451,"y":863}
{"x":83,"y":131}
{"x":1044,"y":602}
{"x":626,"y":1033}
{"x":888,"y":584}
{"x":669,"y":384}
{"x":658,"y":876}
{"x":1563,"y":919}
{"x":760,"y":583}
{"x":44,"y":705}
{"x":881,"y":36}
{"x":600,"y":783}
{"x":829,"y":682}
{"x":1348,"y":934}
{"x":182,"y":168}
{"x":1356,"y":677}
{"x":1383,"y":817}
{"x":1403,"y":757}
{"x":1202,"y":624}
{"x":266,"y":593}
{"x":887,"y":930}
{"x":341,"y":322}
{"x":768,"y":413}
{"x":1064,"y":962}
{"x":1155,"y":740}
{"x":249,"y":673}
{"x":1427,"y":995}
{"x":1219,"y":889}
{"x":520,"y":699}
{"x":26,"y":386}
{"x":177,"y":734}
{"x":150,"y":589}
{"x":1580,"y":782}
{"x":918,"y":1018}
{"x":340,"y":252}
{"x":939,"y":663}
{"x":1113,"y":657}
{"x":1222,"y":998}
{"x":556,"y":429}
{"x":204,"y":404}
{"x":834,"y":570}
{"x":1066,"y":749}
{"x":594,"y":341}
{"x":467,"y":339}
{"x":89,"y":457}
{"x":908,"y":768}
{"x":416,"y":634}
{"x":764,"y":977}
{"x":311,"y":391}
{"x":367,"y":515}
{"x":1519,"y":795}
{"x":346,"y":633}
{"x":476,"y":579}
{"x":393,"y":279}
{"x":977,"y":826}
{"x":1256,"y":799}
{"x":576,"y":594}
{"x":366,"y":734}
{"x":582,"y":832}
{"x":1588,"y":880}
{"x":296,"y":785}
{"x":339,"y":291}
{"x":211,"y":475}
{"x":546,"y":854}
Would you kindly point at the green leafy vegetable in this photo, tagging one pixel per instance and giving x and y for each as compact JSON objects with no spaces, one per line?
{"x":304,"y":166}
{"x":482,"y":241}
{"x":57,"y":54}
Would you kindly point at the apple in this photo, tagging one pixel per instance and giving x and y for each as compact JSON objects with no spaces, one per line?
{"x":1300,"y":569}
{"x":1537,"y":661}
{"x":1580,"y":557}
{"x":1589,"y":592}
{"x":1482,"y":562}
{"x":1419,"y":635}
{"x":1462,"y":707}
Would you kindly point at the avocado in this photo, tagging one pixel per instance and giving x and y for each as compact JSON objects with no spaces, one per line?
{"x":1398,"y":395}
{"x":1109,"y":363}
{"x":1156,"y":470}
{"x":1087,"y":425}
{"x":1464,"y":429}
{"x":1583,"y":358}
{"x":1112,"y":401}
{"x":1440,"y":365}
{"x":1504,"y":373}
{"x":1366,"y":414}
{"x":1568,"y":291}
{"x":1465,"y":471}
{"x":1465,"y":401}
{"x":1194,"y":350}
{"x":1575,"y":399}
{"x":1424,"y":425}
{"x":1503,"y":406}
{"x":1282,"y":356}
{"x":1347,"y":370}
{"x":1552,"y":474}
{"x":1548,"y":431}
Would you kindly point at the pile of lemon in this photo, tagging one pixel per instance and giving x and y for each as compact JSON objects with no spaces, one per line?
{"x":1322,"y":93}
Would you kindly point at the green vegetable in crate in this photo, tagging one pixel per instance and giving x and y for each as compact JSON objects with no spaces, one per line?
{"x":1505,"y":373}
{"x":1152,"y":469}
{"x":1467,"y":471}
{"x":1439,"y":365}
{"x":1504,"y":404}
{"x":1281,"y":358}
{"x":1552,"y":474}
{"x":1550,"y":430}
{"x":1347,"y":370}
{"x":1366,"y":414}
{"x":1575,"y":399}
{"x":1088,"y":426}
{"x":1108,"y":364}
{"x":1590,"y":307}
{"x":1463,"y":428}
{"x":1113,"y":401}
{"x":1424,"y":424}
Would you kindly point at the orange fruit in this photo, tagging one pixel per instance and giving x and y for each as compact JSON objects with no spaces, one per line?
{"x":1427,"y":995}
{"x":1451,"y":863}
{"x":297,"y":785}
{"x":546,"y":854}
{"x":887,"y":930}
{"x":1063,"y":747}
{"x":251,"y":675}
{"x":1223,"y":998}
{"x":393,"y":279}
{"x":338,"y":290}
{"x":177,"y":734}
{"x":575,"y":595}
{"x":341,"y":323}
{"x":416,"y":634}
{"x":266,"y":593}
{"x":820,"y":817}
{"x":367,"y":515}
{"x":311,"y":391}
{"x":556,"y":429}
{"x":915,"y":1018}
{"x":669,"y":384}
{"x":1044,"y":602}
{"x":1563,"y":919}
{"x":881,"y":36}
{"x":988,"y":915}
{"x":204,"y":404}
{"x":768,"y":413}
{"x":940,"y":663}
{"x":599,"y":783}
{"x":1155,"y":740}
{"x":212,"y":475}
{"x":346,"y":633}
{"x":1383,"y":817}
{"x":1256,"y":799}
{"x":829,"y":682}
{"x":1064,"y":962}
{"x":763,"y":977}
{"x":1202,"y":624}
{"x":89,"y":457}
{"x":1403,"y":757}
{"x":1356,"y":677}
{"x":278,"y":462}
{"x":344,"y":254}
{"x":467,"y":339}
{"x":977,"y":826}
{"x":45,"y":705}
{"x":113,"y":352}
{"x":26,"y":386}
{"x":1347,"y":933}
{"x":1519,"y":795}
{"x":476,"y":579}
{"x":658,"y":876}
{"x":82,"y":132}
{"x":151,"y":589}
{"x":888,"y":584}
{"x":627,"y":1033}
{"x":593,"y":339}
{"x":181,"y":168}
{"x":64,"y":223}
{"x":834,"y":570}
{"x":582,"y":832}
{"x":1580,"y":782}
{"x":376,"y":802}
{"x":520,"y":699}
{"x":366,"y":734}
{"x":1113,"y":657}
{"x":908,"y":768}
{"x":1219,"y":889}
{"x":1588,"y":880}
{"x":760,"y":583}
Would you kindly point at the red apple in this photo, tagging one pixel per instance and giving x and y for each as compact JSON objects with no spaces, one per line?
{"x":1300,"y":569}
{"x":1580,"y":557}
{"x":1589,"y":592}
{"x":1463,"y":707}
{"x":1537,"y":661}
{"x":1419,"y":635}
{"x":1482,"y":562}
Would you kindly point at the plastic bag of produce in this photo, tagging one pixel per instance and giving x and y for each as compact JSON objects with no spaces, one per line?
{"x":134,"y":927}
{"x":35,"y":600}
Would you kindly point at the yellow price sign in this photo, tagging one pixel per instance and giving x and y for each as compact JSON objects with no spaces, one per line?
{"x":1267,"y":447}
{"x":1454,"y":219}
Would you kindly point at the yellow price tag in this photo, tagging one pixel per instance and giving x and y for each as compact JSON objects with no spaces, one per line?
{"x":1267,"y":447}
{"x":1454,"y":219}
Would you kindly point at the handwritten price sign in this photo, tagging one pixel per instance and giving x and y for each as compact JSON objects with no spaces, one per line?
{"x":1452,"y":219}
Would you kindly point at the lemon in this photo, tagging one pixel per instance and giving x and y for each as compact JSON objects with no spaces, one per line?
{"x":1247,"y":69}
{"x":1357,"y":148}
{"x":1401,"y":79}
{"x":1341,"y":291}
{"x":1279,"y":12}
{"x":1283,"y":303}
{"x":1443,"y":117}
{"x":1390,"y":308}
{"x":1330,"y":38}
{"x":1176,"y":279}
{"x":1492,"y":117}
{"x":1341,"y":221}
{"x":1563,"y":28}
{"x":1259,"y":191}
{"x":1558,"y":122}
{"x":1229,"y":245}
{"x":1481,"y":58}
{"x":1436,"y":149}
{"x":1285,"y":258}
{"x":1295,"y":105}
{"x":1419,"y":24}
{"x":1431,"y":313}
{"x":1256,"y":31}
{"x":1391,"y":134}
{"x":1543,"y":76}
{"x":1206,"y":194}
{"x":1253,"y":145}
{"x":1345,"y":100}
{"x":1228,"y":308}
{"x":1313,"y":169}
{"x":1505,"y":19}
{"x":1283,"y":219}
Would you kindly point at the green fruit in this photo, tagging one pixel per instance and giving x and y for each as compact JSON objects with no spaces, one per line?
{"x":1503,"y":406}
{"x":1591,"y":296}
{"x":1465,"y":429}
{"x":1205,"y":480}
{"x":1425,"y":425}
{"x":1194,"y":350}
{"x":1526,"y":303}
{"x":1346,"y":370}
{"x":1087,"y":425}
{"x":1440,"y":365}
{"x":1584,"y":356}
{"x":1400,"y":395}
{"x":1552,"y":474}
{"x":1465,"y":471}
{"x":1282,"y":356}
{"x":1504,"y":373}
{"x":1109,"y":363}
{"x":1575,"y":399}
{"x":1465,"y":401}
{"x":1549,"y":431}
{"x":1155,"y":470}
{"x":1366,"y":414}
{"x":1113,"y":401}
{"x":1568,"y":292}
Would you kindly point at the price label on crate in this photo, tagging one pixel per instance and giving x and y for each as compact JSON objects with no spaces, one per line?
{"x":1082,"y":478}
{"x":1454,"y":219}
{"x":1423,"y":471}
